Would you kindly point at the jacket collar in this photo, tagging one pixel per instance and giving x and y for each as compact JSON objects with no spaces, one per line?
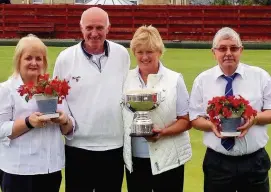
{"x":89,"y":55}
{"x":159,"y":73}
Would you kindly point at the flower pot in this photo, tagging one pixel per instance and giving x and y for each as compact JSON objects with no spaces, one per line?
{"x":229,"y":126}
{"x":47,"y":105}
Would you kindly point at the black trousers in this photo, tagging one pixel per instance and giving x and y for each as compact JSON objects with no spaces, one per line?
{"x":142,"y":180}
{"x":248,"y":173}
{"x":1,"y":176}
{"x":88,"y":170}
{"x":31,"y":183}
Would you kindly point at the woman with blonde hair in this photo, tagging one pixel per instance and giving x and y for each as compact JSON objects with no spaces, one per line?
{"x":31,"y":147}
{"x":157,"y":163}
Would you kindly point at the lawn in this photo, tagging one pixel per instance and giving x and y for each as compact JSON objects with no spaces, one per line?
{"x":189,"y":62}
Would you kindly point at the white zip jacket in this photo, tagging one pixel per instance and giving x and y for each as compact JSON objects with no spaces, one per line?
{"x":168,"y":152}
{"x":94,"y":98}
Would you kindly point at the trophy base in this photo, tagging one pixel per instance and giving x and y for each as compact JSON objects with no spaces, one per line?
{"x":50,"y":116}
{"x":230,"y":134}
{"x":142,"y":134}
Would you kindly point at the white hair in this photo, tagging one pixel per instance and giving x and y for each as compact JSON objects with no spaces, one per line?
{"x":226,"y":33}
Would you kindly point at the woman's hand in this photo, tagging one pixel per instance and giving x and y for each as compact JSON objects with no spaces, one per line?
{"x":64,"y":122}
{"x":37,"y":120}
{"x":62,"y":119}
{"x":157,"y":134}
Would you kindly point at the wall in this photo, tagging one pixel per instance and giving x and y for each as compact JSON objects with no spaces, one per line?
{"x":141,"y":2}
{"x":175,"y":23}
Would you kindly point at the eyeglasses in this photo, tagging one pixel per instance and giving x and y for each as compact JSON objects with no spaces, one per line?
{"x":225,"y":49}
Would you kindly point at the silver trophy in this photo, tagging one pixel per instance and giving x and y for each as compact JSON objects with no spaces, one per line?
{"x":141,"y":102}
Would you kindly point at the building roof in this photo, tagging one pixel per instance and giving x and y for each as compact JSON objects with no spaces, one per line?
{"x":109,"y":2}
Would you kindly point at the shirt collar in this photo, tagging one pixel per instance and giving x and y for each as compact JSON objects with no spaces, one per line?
{"x":17,"y":79}
{"x":218,"y":72}
{"x":160,"y":70}
{"x":89,"y":55}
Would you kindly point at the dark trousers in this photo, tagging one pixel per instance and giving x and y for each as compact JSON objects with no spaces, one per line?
{"x":248,"y":173}
{"x":142,"y":180}
{"x":1,"y":176}
{"x":31,"y":183}
{"x":88,"y":170}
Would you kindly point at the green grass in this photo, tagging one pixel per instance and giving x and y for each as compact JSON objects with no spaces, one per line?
{"x":190,"y":63}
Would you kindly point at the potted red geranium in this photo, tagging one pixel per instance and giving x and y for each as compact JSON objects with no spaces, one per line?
{"x":47,"y":92}
{"x":227,"y":112}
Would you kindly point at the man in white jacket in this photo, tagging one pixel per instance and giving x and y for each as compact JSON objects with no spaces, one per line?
{"x":96,"y":69}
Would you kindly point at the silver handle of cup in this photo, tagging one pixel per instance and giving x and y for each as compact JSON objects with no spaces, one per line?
{"x":161,"y":97}
{"x":122,"y":103}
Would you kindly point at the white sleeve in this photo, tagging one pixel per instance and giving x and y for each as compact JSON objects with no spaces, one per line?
{"x":6,"y":113}
{"x":66,"y":109}
{"x":182,"y":98}
{"x":127,"y":64}
{"x":57,"y":71}
{"x":266,"y":91}
{"x":196,"y":106}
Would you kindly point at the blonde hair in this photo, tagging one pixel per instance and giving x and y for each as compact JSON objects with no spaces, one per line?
{"x":31,"y":41}
{"x":148,"y":37}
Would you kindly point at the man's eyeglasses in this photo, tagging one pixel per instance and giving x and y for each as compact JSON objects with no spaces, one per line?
{"x":225,"y":49}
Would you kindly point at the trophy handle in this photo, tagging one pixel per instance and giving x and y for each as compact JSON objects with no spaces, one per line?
{"x":125,"y":105}
{"x":122,"y":103}
{"x":162,"y":96}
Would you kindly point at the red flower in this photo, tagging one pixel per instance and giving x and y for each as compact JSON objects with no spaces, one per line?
{"x":55,"y":88}
{"x":226,"y":112}
{"x":227,"y":106}
{"x":48,"y":90}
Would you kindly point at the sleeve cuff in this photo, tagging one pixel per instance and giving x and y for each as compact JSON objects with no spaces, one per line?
{"x":267,"y":107}
{"x":69,"y":136}
{"x":6,"y":130}
{"x":183,"y":113}
{"x":195,"y":116}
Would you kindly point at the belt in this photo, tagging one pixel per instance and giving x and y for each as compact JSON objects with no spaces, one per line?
{"x":209,"y":150}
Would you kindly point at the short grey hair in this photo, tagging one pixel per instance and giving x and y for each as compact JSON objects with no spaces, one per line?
{"x":226,"y":33}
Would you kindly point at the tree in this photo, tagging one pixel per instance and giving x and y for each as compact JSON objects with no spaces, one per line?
{"x":222,"y":2}
{"x":201,"y":2}
{"x":230,"y":2}
{"x":262,"y":2}
{"x":245,"y":2}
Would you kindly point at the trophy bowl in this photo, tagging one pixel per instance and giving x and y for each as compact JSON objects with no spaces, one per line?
{"x":141,"y":102}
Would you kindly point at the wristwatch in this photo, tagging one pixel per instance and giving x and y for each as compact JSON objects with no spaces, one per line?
{"x":28,"y":124}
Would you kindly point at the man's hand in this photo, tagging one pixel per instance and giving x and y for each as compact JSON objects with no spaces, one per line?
{"x":215,"y":129}
{"x":249,"y":122}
